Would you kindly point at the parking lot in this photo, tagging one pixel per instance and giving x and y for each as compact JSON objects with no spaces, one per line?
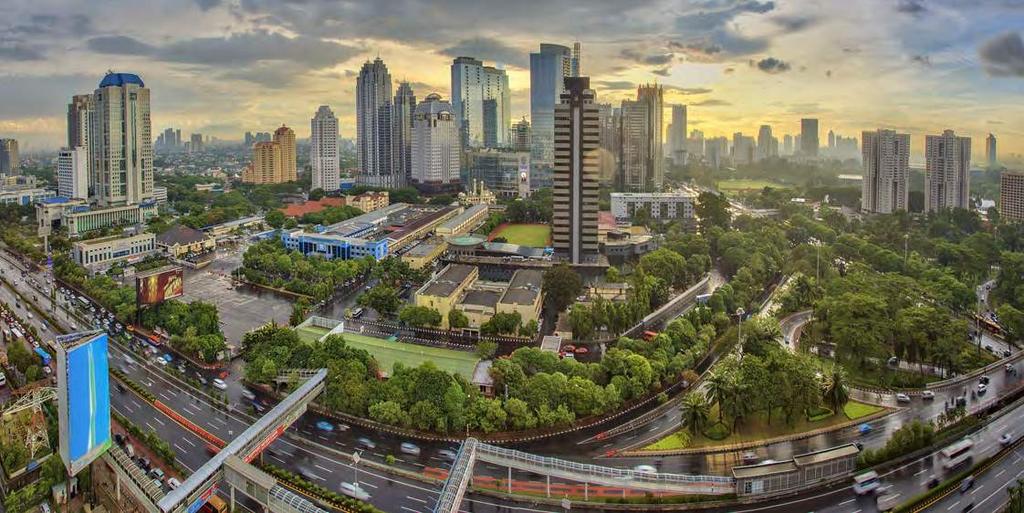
{"x":241,"y":308}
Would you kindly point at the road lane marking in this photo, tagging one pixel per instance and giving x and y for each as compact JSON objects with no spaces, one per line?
{"x":158,"y":420}
{"x":1001,"y":472}
{"x":371,"y":485}
{"x":151,"y":426}
{"x":951,"y":506}
{"x":180,"y":448}
{"x":921,"y":472}
{"x":417,"y":499}
{"x":410,"y":509}
{"x":846,"y":502}
{"x":325,"y":469}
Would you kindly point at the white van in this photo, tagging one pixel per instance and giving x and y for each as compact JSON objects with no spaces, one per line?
{"x":866,"y":483}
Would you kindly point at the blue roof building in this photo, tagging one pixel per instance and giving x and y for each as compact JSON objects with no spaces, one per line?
{"x":121,"y":79}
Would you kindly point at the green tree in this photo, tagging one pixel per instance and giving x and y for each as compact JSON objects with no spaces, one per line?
{"x":457,"y":319}
{"x":420,"y":316}
{"x":502,"y":323}
{"x":694,"y":411}
{"x":713,"y":210}
{"x":836,"y":393}
{"x":382,"y":298}
{"x":275,"y":218}
{"x":316,"y":194}
{"x":561,"y":286}
{"x":485,"y":349}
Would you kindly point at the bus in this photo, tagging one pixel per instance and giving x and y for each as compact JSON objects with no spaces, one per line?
{"x":989,"y":325}
{"x":866,"y":483}
{"x":956,"y":454}
{"x":17,"y":333}
{"x":43,"y":355}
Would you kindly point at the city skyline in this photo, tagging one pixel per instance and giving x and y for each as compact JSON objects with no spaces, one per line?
{"x":221,"y":67}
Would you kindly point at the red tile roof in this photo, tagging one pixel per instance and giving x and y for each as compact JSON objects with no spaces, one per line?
{"x":309,"y":207}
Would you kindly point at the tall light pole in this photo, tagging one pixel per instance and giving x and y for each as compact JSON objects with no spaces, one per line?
{"x":739,"y":329}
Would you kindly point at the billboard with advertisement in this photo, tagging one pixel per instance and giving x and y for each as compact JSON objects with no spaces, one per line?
{"x":83,"y":398}
{"x":159,"y":285}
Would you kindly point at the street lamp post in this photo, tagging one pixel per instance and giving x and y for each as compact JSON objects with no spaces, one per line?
{"x":739,"y":329}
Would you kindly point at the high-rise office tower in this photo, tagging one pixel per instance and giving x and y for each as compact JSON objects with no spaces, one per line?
{"x":79,"y":116}
{"x":787,"y":145}
{"x":576,"y":64}
{"x":695,"y":144}
{"x":809,"y":137}
{"x":170,"y":139}
{"x":435,"y":145}
{"x":122,"y":157}
{"x":548,"y":69}
{"x":576,"y":173}
{"x":990,"y":150}
{"x":73,"y":172}
{"x":743,"y":149}
{"x":767,"y":144}
{"x":266,"y":164}
{"x":403,"y":109}
{"x":831,"y":140}
{"x":610,"y":144}
{"x":643,"y":159}
{"x":9,"y":163}
{"x":1011,"y":196}
{"x":677,"y":135}
{"x":716,"y":150}
{"x":248,"y":140}
{"x":886,"y":160}
{"x":521,"y":135}
{"x":284,"y":138}
{"x":947,"y":171}
{"x":195,"y":143}
{"x":323,"y":150}
{"x":374,"y":126}
{"x":177,"y":138}
{"x":481,"y":99}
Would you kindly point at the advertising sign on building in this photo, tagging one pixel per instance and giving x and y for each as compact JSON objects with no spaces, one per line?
{"x":83,"y":398}
{"x":159,"y":285}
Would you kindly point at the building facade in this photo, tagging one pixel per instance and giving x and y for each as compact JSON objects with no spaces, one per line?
{"x":500,"y":171}
{"x":403,"y":110}
{"x":284,"y":138}
{"x":435,"y":145}
{"x":521,"y":135}
{"x":374,"y":126}
{"x":576,"y":173}
{"x":80,"y":112}
{"x":642,"y":155}
{"x":464,"y":222}
{"x":22,"y":190}
{"x":990,"y":150}
{"x":323,"y":150}
{"x":481,"y":102}
{"x":120,"y":137}
{"x":663,"y":206}
{"x":73,"y":172}
{"x":9,"y":159}
{"x":1011,"y":196}
{"x":885,"y":157}
{"x":809,"y":137}
{"x":947,"y":173}
{"x":677,"y":135}
{"x":743,"y":149}
{"x":548,"y":69}
{"x":100,"y":253}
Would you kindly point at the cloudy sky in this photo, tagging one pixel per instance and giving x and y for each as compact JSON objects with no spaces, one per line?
{"x":221,"y":67}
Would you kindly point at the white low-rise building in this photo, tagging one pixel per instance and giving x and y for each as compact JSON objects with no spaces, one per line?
{"x":100,"y":253}
{"x":661,"y":205}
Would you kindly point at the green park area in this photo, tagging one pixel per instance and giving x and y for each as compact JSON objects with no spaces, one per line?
{"x":388,"y":353}
{"x":532,"y":235}
{"x":756,"y":427}
{"x":739,"y":184}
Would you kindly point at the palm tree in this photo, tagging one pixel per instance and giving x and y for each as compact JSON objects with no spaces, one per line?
{"x":717,"y":390}
{"x":694,"y":411}
{"x":836,"y":392}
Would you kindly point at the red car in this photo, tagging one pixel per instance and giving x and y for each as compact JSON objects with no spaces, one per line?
{"x":581,"y":350}
{"x":224,"y":374}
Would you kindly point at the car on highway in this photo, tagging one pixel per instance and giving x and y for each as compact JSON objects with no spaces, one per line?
{"x":248,"y":394}
{"x":933,"y":482}
{"x":355,"y":491}
{"x":866,"y":483}
{"x":750,"y":458}
{"x":1005,"y":439}
{"x":325,"y":426}
{"x":409,"y":448}
{"x":982,"y":388}
{"x":447,"y":454}
{"x":864,"y":429}
{"x":967,"y":484}
{"x":219,"y":384}
{"x":984,"y":380}
{"x":1009,"y":368}
{"x":927,"y":395}
{"x":645,"y":469}
{"x":366,"y":443}
{"x":902,"y":398}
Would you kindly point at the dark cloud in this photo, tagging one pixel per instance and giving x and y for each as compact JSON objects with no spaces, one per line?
{"x":687,"y":91}
{"x":828,"y":73}
{"x":1003,"y":55}
{"x":489,"y":49}
{"x":794,"y":23}
{"x":654,"y":59}
{"x":52,"y":25}
{"x":41,"y":95}
{"x":20,"y":52}
{"x":240,"y":50}
{"x":662,"y":72}
{"x":206,"y":5}
{"x":914,"y":7}
{"x":698,"y":51}
{"x":615,"y":85}
{"x":923,"y":60}
{"x":771,"y":65}
{"x":713,"y":18}
{"x":712,"y":102}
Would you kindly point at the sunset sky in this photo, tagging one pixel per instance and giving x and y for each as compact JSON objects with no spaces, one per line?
{"x":222,"y":67}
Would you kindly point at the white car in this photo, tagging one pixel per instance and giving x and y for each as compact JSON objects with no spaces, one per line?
{"x":219,"y":384}
{"x":355,"y":491}
{"x":927,"y":395}
{"x":173,"y":483}
{"x":982,"y":388}
{"x":902,"y":398}
{"x":1005,"y":439}
{"x":645,"y":469}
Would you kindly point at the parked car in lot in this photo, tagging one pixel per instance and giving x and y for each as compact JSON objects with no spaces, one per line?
{"x":645,"y":469}
{"x":173,"y":483}
{"x":248,"y":394}
{"x":157,"y":474}
{"x":410,"y":448}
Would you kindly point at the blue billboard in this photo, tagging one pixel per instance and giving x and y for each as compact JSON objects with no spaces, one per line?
{"x":83,"y":392}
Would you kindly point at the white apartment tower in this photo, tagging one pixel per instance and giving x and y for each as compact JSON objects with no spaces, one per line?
{"x":435,"y":145}
{"x":947,"y":171}
{"x":886,"y":161}
{"x":73,"y":173}
{"x":373,"y":126}
{"x":121,"y":141}
{"x":323,"y":150}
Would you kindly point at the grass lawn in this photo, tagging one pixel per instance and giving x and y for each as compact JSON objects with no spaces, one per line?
{"x":757,"y":428}
{"x":532,"y":235}
{"x":388,"y":353}
{"x":740,"y":184}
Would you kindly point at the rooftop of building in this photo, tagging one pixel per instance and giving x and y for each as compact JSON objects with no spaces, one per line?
{"x":121,"y":79}
{"x":445,"y":284}
{"x":311,"y":206}
{"x":181,"y":235}
{"x":524,"y":289}
{"x":654,"y":195}
{"x":467,"y":240}
{"x":485,"y":298}
{"x":411,"y":226}
{"x":466,"y":215}
{"x":108,"y":238}
{"x":425,"y":248}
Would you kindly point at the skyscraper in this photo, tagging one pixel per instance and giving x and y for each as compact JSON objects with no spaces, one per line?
{"x":809,"y":137}
{"x":548,"y":69}
{"x":122,"y":157}
{"x":990,"y":150}
{"x":831,"y":140}
{"x":79,"y":116}
{"x":1011,"y":196}
{"x":284,"y":138}
{"x":402,"y":113}
{"x":576,"y":170}
{"x":266,"y":164}
{"x":947,"y":171}
{"x":9,"y":163}
{"x":787,"y":145}
{"x":608,"y":122}
{"x":743,"y":149}
{"x":195,"y":143}
{"x":677,"y":134}
{"x":373,"y":126}
{"x":73,"y":172}
{"x":481,"y":99}
{"x":643,"y":159}
{"x":323,"y":150}
{"x":886,"y":160}
{"x":435,"y":145}
{"x":521,"y":135}
{"x":767,"y":144}
{"x":575,"y":65}
{"x":695,"y":144}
